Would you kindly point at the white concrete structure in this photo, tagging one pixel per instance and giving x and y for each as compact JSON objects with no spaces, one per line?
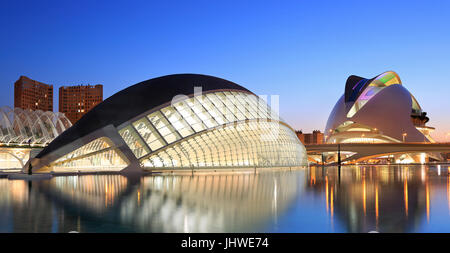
{"x":26,"y":127}
{"x":164,"y":124}
{"x":377,"y":110}
{"x":25,"y":131}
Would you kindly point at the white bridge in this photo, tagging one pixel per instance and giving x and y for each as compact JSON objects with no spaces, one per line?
{"x":363,"y":151}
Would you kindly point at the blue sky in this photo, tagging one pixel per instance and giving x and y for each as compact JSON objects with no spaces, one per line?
{"x":302,"y":51}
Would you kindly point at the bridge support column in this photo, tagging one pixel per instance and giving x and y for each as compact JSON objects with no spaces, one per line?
{"x":339,"y":155}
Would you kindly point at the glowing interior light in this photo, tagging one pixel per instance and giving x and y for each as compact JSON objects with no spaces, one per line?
{"x":422,"y":158}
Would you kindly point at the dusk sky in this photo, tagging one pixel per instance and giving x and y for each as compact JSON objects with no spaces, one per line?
{"x":302,"y":51}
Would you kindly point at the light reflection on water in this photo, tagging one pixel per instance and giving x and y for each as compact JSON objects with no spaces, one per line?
{"x":315,"y":199}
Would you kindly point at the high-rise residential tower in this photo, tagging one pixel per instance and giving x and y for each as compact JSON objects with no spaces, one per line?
{"x":316,"y":137}
{"x":34,"y":95}
{"x":75,"y":101}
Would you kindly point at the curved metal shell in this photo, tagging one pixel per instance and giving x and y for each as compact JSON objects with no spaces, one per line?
{"x":375,"y":110}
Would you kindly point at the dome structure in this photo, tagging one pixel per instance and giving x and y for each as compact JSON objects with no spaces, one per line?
{"x":36,"y":128}
{"x":377,"y":110}
{"x":175,"y":122}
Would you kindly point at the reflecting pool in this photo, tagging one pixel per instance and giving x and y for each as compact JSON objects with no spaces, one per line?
{"x":315,"y":199}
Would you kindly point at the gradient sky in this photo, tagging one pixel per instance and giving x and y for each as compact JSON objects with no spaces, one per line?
{"x":302,"y":51}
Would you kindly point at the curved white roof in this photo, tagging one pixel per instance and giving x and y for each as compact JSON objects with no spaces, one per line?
{"x":375,"y":110}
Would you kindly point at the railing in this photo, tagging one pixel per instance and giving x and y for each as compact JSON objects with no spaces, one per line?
{"x":381,"y":143}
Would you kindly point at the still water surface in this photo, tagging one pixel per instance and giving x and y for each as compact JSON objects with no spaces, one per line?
{"x":315,"y":199}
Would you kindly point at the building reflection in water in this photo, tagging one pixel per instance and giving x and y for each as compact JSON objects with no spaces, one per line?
{"x":448,"y":191}
{"x":24,"y":209}
{"x":94,"y":193}
{"x":210,"y":203}
{"x":381,"y":198}
{"x":218,"y":202}
{"x":13,"y":196}
{"x":364,"y":198}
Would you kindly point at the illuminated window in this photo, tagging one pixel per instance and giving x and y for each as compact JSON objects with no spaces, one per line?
{"x":98,"y":154}
{"x":177,"y":121}
{"x":191,"y":127}
{"x":236,"y":145}
{"x":165,"y":129}
{"x":133,"y":141}
{"x":149,"y":134}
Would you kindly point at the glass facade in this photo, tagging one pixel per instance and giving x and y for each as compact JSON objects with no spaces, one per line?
{"x":13,"y":158}
{"x":219,"y":129}
{"x":134,"y":141}
{"x":98,"y":154}
{"x":255,"y":143}
{"x":415,"y":106}
{"x":149,"y":134}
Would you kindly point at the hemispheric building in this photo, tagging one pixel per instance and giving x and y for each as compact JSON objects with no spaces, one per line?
{"x":164,"y":123}
{"x":377,"y":110}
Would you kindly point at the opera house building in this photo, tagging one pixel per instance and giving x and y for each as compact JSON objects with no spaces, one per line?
{"x":377,"y":110}
{"x":183,"y":121}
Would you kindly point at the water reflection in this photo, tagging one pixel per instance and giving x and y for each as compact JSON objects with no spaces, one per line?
{"x":221,"y":202}
{"x":315,"y":199}
{"x":23,"y":209}
{"x":95,"y":193}
{"x":383,"y":198}
{"x":210,"y":203}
